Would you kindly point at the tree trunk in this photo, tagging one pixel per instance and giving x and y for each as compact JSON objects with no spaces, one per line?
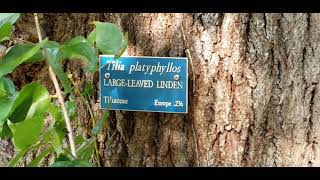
{"x":253,"y":98}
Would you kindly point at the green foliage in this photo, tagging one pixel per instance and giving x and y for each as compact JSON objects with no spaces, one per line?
{"x":75,"y":163}
{"x":57,"y":139}
{"x":7,"y":96}
{"x":86,"y":149}
{"x":6,"y":87}
{"x":124,"y":45}
{"x":40,"y":157}
{"x":71,"y":107}
{"x":17,"y":56}
{"x":5,"y":130}
{"x":58,"y":131}
{"x":8,"y":17}
{"x":63,"y":157}
{"x":79,"y":48}
{"x":78,"y":140}
{"x":5,"y":31}
{"x":26,"y":133}
{"x":22,"y":114}
{"x":88,"y":90}
{"x":92,"y":37}
{"x":109,"y":38}
{"x":27,"y":115}
{"x":17,"y":157}
{"x":100,"y":124}
{"x":37,"y":57}
{"x":54,"y":56}
{"x":56,"y":113}
{"x":32,"y":100}
{"x":21,"y":154}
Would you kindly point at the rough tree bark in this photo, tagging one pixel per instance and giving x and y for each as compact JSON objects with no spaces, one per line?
{"x":255,"y":97}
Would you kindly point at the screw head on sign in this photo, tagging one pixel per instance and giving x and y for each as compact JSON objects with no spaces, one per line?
{"x":107,"y":75}
{"x":176,"y":77}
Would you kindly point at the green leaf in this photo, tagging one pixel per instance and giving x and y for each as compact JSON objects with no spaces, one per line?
{"x":53,"y":57}
{"x":17,"y":158}
{"x":58,"y":135}
{"x":76,"y":163}
{"x":62,"y":157}
{"x":7,"y":96}
{"x":86,"y":149}
{"x":88,"y":90}
{"x":26,"y":133}
{"x":5,"y":31}
{"x":20,"y":48}
{"x":57,"y":140}
{"x":79,"y":139}
{"x":108,"y":38}
{"x":54,"y":136}
{"x":17,"y":56}
{"x":61,"y":164}
{"x":32,"y":100}
{"x":82,"y":144}
{"x":56,"y":113}
{"x":92,"y":37}
{"x":20,"y":155}
{"x":5,"y":130}
{"x":38,"y":57}
{"x":47,"y":136}
{"x":81,"y":163}
{"x":79,"y":48}
{"x":6,"y":88}
{"x":124,"y":46}
{"x":59,"y":129}
{"x":36,"y":161}
{"x":100,"y":124}
{"x":71,"y":107}
{"x":52,"y":45}
{"x":9,"y":17}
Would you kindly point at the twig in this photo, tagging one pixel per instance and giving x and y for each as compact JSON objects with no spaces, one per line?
{"x":88,"y":106}
{"x":193,"y":87}
{"x":92,"y":117}
{"x":77,"y":91}
{"x":21,"y":40}
{"x":59,"y":94}
{"x":189,"y":57}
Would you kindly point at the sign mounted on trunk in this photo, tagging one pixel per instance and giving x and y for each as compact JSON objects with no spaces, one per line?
{"x":150,"y":84}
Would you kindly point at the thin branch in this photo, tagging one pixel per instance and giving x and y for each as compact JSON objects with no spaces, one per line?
{"x":77,"y":90}
{"x":59,"y":94}
{"x":193,"y":87}
{"x":190,"y":58}
{"x":21,"y":40}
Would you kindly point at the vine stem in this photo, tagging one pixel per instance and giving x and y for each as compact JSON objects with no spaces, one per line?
{"x":60,"y":97}
{"x":92,"y":118}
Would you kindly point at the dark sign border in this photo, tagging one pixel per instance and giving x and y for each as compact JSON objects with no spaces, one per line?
{"x":187,"y":75}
